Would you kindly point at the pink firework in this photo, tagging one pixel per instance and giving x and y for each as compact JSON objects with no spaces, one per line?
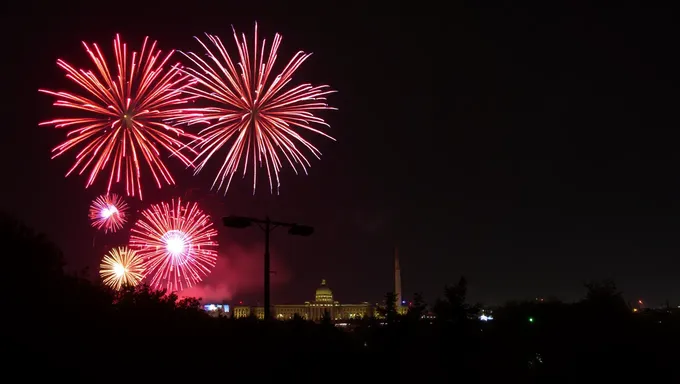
{"x":121,"y":126}
{"x":258,"y":116}
{"x":108,"y":212}
{"x":176,"y":243}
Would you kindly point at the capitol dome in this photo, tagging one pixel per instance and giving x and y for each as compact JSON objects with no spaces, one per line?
{"x":323,"y":293}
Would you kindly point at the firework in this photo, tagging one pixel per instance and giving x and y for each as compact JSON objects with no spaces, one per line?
{"x":121,"y":123}
{"x":175,"y":241}
{"x":259,"y":116}
{"x":108,"y":212}
{"x":121,"y":267}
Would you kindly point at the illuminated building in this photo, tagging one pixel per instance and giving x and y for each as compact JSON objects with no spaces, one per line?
{"x":311,"y":310}
{"x":217,"y":310}
{"x":324,"y":303}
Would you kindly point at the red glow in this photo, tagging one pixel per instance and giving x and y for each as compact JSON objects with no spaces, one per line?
{"x":176,"y":243}
{"x":260,"y":115}
{"x":108,"y":212}
{"x":121,"y":115}
{"x":238,"y":271}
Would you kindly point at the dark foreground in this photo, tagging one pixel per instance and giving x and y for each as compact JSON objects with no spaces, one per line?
{"x":61,"y":327}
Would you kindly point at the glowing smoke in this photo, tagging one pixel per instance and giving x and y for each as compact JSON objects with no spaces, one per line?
{"x":238,"y":271}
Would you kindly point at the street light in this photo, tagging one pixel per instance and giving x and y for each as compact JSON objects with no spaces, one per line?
{"x":267,"y":225}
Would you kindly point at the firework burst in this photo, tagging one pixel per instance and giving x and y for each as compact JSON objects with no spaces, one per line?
{"x":121,"y":267}
{"x":108,"y":212}
{"x":175,"y":241}
{"x":121,"y":124}
{"x":259,"y":116}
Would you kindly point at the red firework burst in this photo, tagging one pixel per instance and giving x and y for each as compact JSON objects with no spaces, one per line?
{"x":175,"y":242}
{"x":123,"y":115}
{"x":108,"y":212}
{"x":260,"y":115}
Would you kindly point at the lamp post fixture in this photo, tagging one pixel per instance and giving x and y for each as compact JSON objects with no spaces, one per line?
{"x":267,"y":225}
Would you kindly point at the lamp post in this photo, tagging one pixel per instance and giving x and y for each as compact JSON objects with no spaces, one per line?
{"x":267,"y":226}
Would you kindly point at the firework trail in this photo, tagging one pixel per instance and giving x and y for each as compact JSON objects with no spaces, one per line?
{"x":108,"y":212}
{"x":258,"y":116}
{"x":175,"y":241}
{"x":121,"y":267}
{"x":122,"y":115}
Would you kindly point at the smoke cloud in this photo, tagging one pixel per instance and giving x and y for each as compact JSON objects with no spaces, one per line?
{"x":239,"y":270}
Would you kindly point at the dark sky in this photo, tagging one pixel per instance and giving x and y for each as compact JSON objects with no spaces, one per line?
{"x":529,"y":149}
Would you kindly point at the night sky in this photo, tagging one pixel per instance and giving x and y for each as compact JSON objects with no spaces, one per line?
{"x":530,"y":150}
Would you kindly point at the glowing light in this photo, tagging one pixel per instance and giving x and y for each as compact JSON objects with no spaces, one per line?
{"x":121,"y":267}
{"x":108,"y":212}
{"x":119,"y":270}
{"x":176,"y":242}
{"x":258,"y":117}
{"x":122,"y":122}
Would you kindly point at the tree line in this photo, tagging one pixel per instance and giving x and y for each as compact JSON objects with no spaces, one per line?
{"x":60,"y":326}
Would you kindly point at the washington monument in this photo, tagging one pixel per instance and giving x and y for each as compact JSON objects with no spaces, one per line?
{"x":397,"y":277}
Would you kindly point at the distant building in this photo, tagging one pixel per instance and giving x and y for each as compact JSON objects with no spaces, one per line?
{"x":324,"y":302}
{"x":311,"y":310}
{"x":217,"y":310}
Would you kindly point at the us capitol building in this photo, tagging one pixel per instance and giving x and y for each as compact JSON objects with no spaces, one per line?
{"x":323,"y":302}
{"x":311,"y":310}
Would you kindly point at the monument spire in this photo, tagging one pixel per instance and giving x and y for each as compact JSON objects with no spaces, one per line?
{"x":397,"y":277}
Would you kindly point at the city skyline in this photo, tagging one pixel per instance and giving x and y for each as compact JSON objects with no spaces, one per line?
{"x":400,"y":300}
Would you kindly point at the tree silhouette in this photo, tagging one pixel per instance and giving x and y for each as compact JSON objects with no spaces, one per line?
{"x":326,"y":318}
{"x":453,"y":308}
{"x":252,"y":316}
{"x":33,"y":257}
{"x":417,"y":308}
{"x":389,"y":308}
{"x":194,"y":304}
{"x":603,"y":298}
